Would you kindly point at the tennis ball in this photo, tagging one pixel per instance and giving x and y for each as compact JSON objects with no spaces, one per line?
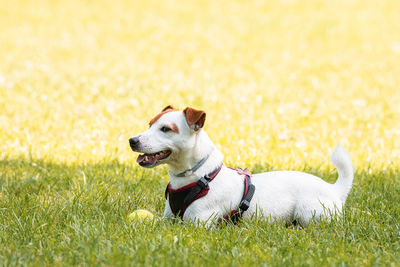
{"x":140,"y":215}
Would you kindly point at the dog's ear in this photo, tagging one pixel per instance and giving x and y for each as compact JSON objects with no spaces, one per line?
{"x":167,"y":108}
{"x":195,"y":118}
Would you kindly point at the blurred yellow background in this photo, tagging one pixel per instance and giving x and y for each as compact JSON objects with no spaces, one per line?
{"x":282,"y":82}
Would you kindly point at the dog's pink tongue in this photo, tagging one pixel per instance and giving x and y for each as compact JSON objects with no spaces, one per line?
{"x":140,"y":158}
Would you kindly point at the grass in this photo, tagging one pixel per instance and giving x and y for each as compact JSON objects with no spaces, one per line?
{"x":77,"y":214}
{"x":282,"y":83}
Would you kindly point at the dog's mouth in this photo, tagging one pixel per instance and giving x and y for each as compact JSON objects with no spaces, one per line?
{"x":150,"y":160}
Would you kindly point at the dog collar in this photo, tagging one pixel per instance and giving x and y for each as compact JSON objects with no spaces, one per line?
{"x":195,"y":167}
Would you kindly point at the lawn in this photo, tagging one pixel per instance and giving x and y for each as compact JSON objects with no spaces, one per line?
{"x":282,"y":83}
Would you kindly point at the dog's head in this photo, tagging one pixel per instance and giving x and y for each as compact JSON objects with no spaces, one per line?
{"x":172,"y":133}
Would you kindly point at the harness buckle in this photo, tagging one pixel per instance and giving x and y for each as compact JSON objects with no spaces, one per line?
{"x":244,"y":205}
{"x":202,"y":182}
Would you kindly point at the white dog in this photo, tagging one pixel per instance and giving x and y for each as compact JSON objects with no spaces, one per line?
{"x":201,"y":189}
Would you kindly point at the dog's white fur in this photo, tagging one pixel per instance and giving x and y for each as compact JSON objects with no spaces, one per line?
{"x":279,"y":195}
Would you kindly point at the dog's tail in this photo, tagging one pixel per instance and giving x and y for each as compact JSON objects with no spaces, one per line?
{"x":342,"y":161}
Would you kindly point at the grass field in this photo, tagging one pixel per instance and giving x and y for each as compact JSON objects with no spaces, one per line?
{"x":282,"y":83}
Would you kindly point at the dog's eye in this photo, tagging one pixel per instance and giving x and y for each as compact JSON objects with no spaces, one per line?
{"x":165,"y":129}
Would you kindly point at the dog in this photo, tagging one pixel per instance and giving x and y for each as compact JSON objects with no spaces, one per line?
{"x":177,"y":138}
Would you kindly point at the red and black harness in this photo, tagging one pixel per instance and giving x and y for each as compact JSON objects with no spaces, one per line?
{"x":180,"y":199}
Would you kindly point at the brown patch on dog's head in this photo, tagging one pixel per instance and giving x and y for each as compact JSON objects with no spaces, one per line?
{"x":174,"y":128}
{"x":165,"y":110}
{"x":169,"y":107}
{"x":195,"y":118}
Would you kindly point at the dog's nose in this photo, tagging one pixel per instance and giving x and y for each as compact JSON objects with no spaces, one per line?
{"x":133,"y":142}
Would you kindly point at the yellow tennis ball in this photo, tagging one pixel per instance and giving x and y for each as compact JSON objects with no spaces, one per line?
{"x":140,"y":215}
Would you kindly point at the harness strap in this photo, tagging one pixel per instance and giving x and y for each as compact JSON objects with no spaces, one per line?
{"x":181,"y":198}
{"x":236,"y":215}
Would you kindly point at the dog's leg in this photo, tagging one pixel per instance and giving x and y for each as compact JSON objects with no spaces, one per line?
{"x":315,"y":210}
{"x":167,"y":211}
{"x":206,"y":218}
